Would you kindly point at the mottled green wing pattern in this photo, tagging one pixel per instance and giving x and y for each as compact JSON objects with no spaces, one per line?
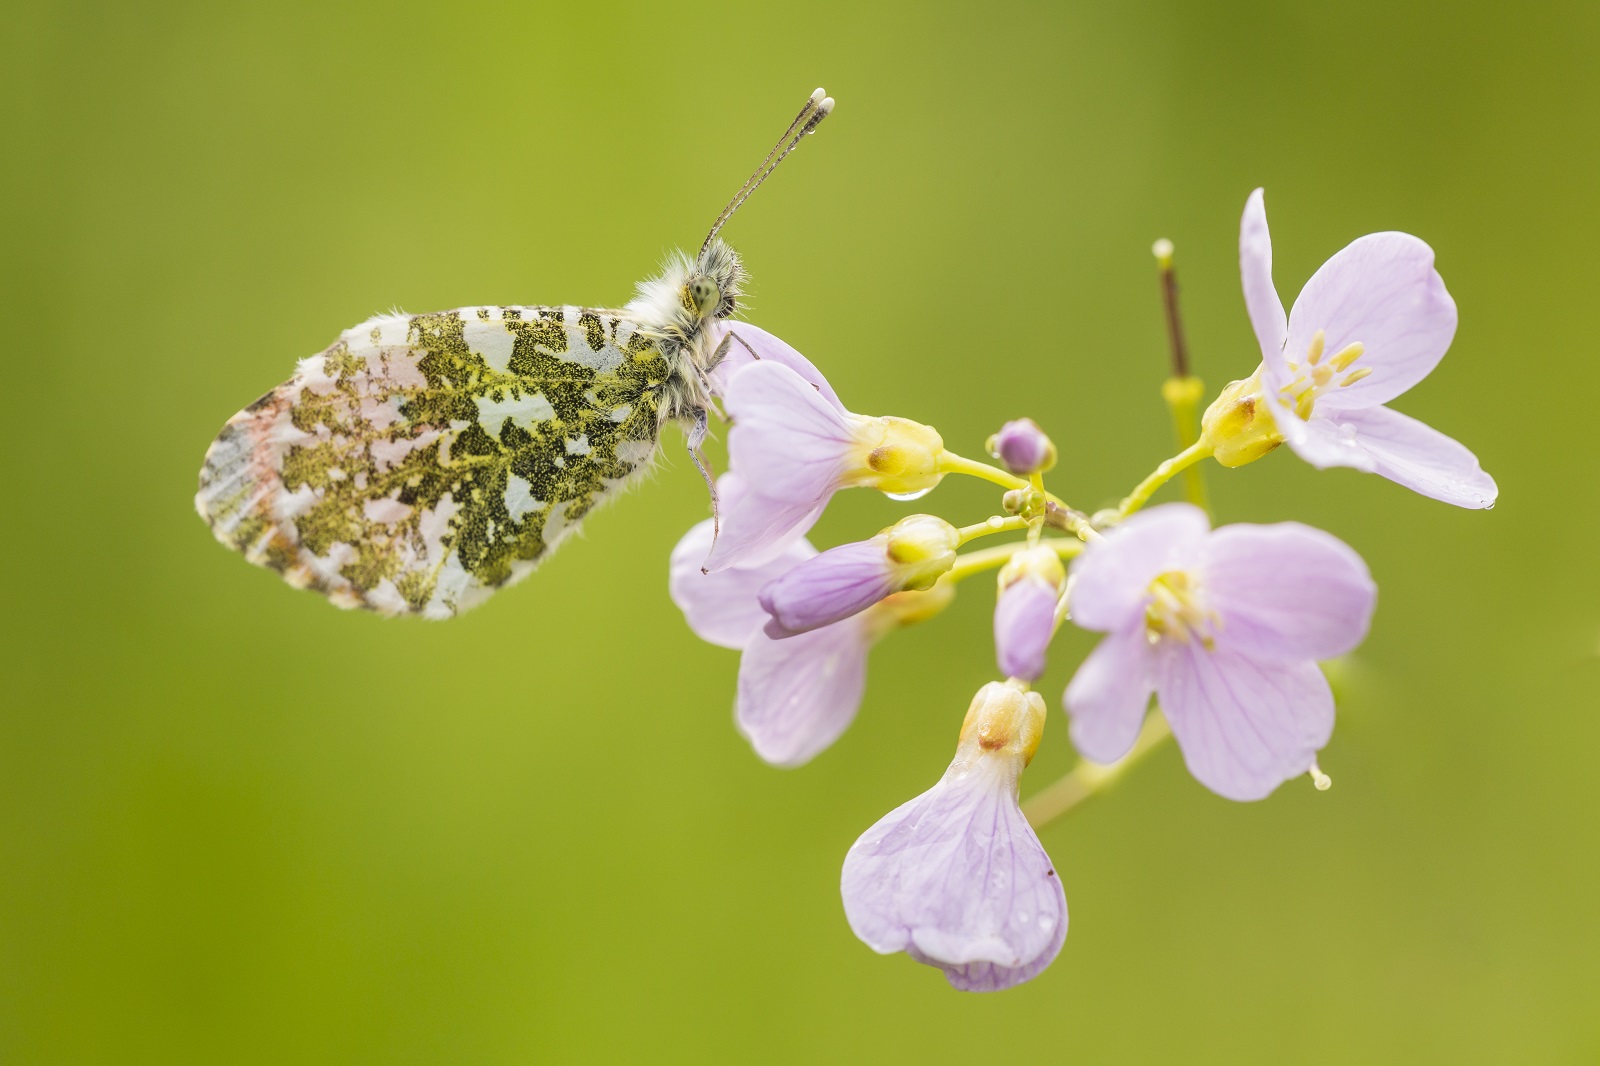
{"x":424,"y":461}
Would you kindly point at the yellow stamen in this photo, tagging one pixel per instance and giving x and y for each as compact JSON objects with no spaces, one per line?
{"x":1314,"y":349}
{"x":1354,"y":376}
{"x":1347,"y":355}
{"x":1321,"y":376}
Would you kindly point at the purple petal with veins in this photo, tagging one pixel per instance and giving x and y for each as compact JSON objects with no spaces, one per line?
{"x":834,"y":585}
{"x":797,"y":695}
{"x":958,"y":879}
{"x":1024,"y":622}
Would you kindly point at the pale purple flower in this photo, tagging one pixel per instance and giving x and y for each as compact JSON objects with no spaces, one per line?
{"x":1225,"y":627}
{"x":1025,"y":611}
{"x":1372,"y":322}
{"x":846,"y":580}
{"x":1022,"y":447}
{"x":795,"y":446}
{"x":956,"y":878}
{"x":796,"y":695}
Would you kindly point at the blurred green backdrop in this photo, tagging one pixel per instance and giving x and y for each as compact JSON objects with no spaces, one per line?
{"x":229,"y":833}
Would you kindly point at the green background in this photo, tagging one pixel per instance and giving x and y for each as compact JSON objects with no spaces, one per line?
{"x":239,"y":826}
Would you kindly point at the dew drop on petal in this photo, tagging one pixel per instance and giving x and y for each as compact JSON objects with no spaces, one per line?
{"x":1347,"y":434}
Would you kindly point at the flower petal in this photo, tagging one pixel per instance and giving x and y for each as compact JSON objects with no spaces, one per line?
{"x":1107,"y":697}
{"x":759,"y":345}
{"x":756,"y":530}
{"x":1244,"y":725}
{"x":787,"y":442}
{"x":1024,"y":623}
{"x":1112,"y":577}
{"x":1287,"y":591}
{"x":1380,"y":290}
{"x":991,"y":976}
{"x":1260,"y":295}
{"x":830,"y":587}
{"x":797,"y":695}
{"x":1414,"y":454}
{"x":958,"y":879}
{"x":723,"y":608}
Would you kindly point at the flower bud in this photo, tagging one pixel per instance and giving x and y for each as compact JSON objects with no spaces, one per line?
{"x":1022,"y":448}
{"x":1025,"y":612}
{"x":1004,"y":719}
{"x":910,"y":555}
{"x":1238,"y":426}
{"x":923,"y":547}
{"x":901,"y":456}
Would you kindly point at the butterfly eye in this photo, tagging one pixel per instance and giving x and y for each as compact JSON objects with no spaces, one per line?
{"x":705,"y":295}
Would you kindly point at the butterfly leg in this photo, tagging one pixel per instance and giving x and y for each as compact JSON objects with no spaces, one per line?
{"x":697,"y":437}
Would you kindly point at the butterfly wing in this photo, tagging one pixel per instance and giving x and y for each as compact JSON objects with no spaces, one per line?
{"x":422,"y":462}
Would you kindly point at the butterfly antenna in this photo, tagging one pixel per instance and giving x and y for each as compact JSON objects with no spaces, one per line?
{"x":818,"y":106}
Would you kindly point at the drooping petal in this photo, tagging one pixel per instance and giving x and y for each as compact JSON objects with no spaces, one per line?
{"x":797,"y":695}
{"x":788,"y":442}
{"x":958,"y":879}
{"x":1287,"y":591}
{"x":1245,"y":725}
{"x":723,"y":608}
{"x":1024,"y":622}
{"x":990,"y":976}
{"x":832,"y":586}
{"x":1112,"y":577}
{"x":756,"y":530}
{"x":1107,"y":697}
{"x":1381,"y":291}
{"x":1414,"y":454}
{"x":751,"y":344}
{"x":1260,"y":295}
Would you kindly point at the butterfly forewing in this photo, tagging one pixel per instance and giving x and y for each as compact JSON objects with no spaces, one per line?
{"x":424,"y":461}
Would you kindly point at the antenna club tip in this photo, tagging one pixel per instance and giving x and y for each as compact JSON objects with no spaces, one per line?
{"x":1162,"y":250}
{"x":816,"y":97}
{"x":826,"y":106}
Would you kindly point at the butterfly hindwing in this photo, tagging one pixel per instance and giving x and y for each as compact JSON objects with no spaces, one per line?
{"x":424,"y":461}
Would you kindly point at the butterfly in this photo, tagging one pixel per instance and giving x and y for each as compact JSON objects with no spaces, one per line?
{"x":423,"y":462}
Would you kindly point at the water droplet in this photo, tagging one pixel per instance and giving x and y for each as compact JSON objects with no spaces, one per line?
{"x":1347,"y":434}
{"x":905,"y":497}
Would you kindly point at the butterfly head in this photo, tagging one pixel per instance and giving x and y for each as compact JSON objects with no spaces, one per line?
{"x":714,"y":283}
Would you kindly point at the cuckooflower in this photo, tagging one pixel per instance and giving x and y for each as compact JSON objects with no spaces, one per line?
{"x":1025,"y":611}
{"x":956,"y":878}
{"x":795,"y":695}
{"x":911,"y":554}
{"x":1372,"y":322}
{"x":795,"y":447}
{"x":1226,"y":628}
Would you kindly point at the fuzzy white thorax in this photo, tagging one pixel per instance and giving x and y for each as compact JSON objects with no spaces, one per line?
{"x":666,"y":310}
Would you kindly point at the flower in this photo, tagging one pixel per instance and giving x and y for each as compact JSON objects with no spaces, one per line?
{"x":795,"y":448}
{"x":1022,"y":448}
{"x":911,"y":554}
{"x":1025,"y":611}
{"x":1226,"y":628}
{"x":796,"y":695}
{"x":956,"y":878}
{"x":1371,"y":323}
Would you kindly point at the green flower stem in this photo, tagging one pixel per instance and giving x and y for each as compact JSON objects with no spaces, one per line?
{"x":990,"y":526}
{"x":1089,"y":779}
{"x":1183,"y":396}
{"x":951,"y":463}
{"x":990,"y":558}
{"x":1160,"y":476}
